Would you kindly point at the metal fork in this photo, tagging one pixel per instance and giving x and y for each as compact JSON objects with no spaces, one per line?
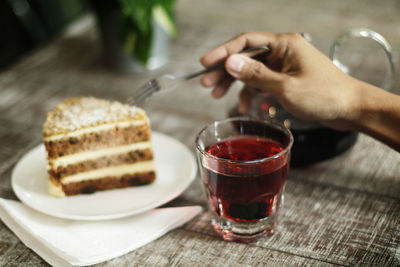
{"x":170,"y":82}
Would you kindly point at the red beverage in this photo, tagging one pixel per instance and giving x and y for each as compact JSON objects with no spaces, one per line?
{"x":241,"y":191}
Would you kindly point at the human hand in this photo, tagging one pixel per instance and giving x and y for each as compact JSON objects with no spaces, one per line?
{"x":305,"y":82}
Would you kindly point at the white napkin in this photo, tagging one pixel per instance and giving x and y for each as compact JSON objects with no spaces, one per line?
{"x":66,"y":242}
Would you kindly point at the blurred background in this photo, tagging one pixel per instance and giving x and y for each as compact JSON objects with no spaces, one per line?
{"x":28,"y":24}
{"x":58,"y":44}
{"x":25,"y":24}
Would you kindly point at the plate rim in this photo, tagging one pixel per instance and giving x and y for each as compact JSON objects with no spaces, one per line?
{"x":188,"y":181}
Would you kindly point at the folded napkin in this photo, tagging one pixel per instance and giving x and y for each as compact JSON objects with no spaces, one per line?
{"x":66,"y":242}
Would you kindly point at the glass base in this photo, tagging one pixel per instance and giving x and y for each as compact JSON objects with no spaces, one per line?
{"x":242,"y":233}
{"x":248,"y":232}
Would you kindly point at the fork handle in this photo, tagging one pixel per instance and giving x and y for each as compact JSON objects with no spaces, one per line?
{"x":257,"y":53}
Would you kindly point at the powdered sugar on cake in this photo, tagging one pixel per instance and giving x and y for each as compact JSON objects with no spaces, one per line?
{"x":80,"y":113}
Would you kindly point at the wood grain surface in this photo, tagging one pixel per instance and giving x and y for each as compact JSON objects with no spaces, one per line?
{"x":340,"y":212}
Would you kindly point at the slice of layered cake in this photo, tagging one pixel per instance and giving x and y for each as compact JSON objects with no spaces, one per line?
{"x":94,"y":145}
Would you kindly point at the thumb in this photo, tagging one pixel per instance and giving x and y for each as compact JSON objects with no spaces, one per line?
{"x":252,"y":72}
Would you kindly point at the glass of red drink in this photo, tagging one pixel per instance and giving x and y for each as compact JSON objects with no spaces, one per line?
{"x":244,"y":165}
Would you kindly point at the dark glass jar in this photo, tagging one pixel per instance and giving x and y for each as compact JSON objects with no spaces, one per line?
{"x":312,"y":141}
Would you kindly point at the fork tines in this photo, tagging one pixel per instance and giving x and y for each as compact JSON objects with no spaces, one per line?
{"x":145,"y":91}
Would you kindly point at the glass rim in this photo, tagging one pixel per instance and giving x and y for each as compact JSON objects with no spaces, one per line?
{"x":262,"y":160}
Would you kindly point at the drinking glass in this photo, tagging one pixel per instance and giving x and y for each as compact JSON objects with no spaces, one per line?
{"x":244,"y":165}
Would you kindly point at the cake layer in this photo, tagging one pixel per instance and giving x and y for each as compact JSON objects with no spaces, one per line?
{"x":103,"y":127}
{"x":105,"y":183}
{"x":116,"y":136}
{"x":97,"y":154}
{"x":129,"y":157}
{"x":121,"y":170}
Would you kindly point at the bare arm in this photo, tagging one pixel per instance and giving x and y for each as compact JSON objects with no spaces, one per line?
{"x":378,"y":114}
{"x":307,"y":84}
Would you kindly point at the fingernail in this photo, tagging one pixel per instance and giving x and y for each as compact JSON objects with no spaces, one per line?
{"x":235,"y":65}
{"x":205,"y":81}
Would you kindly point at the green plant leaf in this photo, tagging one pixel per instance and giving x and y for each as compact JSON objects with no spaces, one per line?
{"x":143,"y":45}
{"x":137,"y":24}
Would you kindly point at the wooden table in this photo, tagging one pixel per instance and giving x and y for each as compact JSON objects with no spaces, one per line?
{"x":344,"y":211}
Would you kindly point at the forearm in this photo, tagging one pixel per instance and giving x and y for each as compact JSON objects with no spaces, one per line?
{"x":378,"y":114}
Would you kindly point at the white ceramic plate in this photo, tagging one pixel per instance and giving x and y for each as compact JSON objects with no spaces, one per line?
{"x":175,"y":166}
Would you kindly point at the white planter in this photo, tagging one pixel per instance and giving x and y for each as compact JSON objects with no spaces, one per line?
{"x":113,"y":49}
